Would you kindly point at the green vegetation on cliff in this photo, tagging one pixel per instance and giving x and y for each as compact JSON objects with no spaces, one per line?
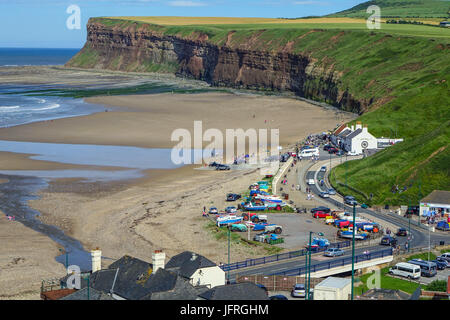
{"x":400,"y":9}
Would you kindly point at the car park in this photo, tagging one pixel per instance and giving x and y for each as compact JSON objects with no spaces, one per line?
{"x":233,"y":197}
{"x":333,"y":252}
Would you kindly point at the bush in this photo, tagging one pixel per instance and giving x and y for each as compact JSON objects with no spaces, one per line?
{"x":437,"y":285}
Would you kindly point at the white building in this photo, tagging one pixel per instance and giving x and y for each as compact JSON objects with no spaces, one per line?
{"x":199,"y":270}
{"x":333,"y":288}
{"x":360,"y":139}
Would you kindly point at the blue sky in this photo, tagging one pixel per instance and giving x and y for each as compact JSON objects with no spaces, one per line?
{"x":42,"y":23}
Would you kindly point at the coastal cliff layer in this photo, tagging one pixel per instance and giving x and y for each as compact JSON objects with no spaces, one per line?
{"x":140,"y":48}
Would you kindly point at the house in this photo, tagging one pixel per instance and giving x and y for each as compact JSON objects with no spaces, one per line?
{"x":359,"y":140}
{"x":333,"y":288}
{"x":197,"y":269}
{"x":437,"y":203}
{"x":239,"y":291}
{"x":340,"y":134}
{"x":130,"y":278}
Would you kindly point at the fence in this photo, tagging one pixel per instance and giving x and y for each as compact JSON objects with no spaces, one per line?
{"x":277,"y":282}
{"x":337,"y":263}
{"x":278,"y":257}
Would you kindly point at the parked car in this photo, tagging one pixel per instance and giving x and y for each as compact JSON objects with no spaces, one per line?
{"x":321,"y":208}
{"x":350,"y":200}
{"x":406,"y":270}
{"x":213,"y":210}
{"x":278,"y":297}
{"x":340,"y":153}
{"x":331,"y":191}
{"x":214,"y":164}
{"x":441,"y":264}
{"x":223,"y":167}
{"x":326,"y":147}
{"x":333,"y":252}
{"x":230,"y":210}
{"x":324,"y":194}
{"x":445,"y":256}
{"x":320,"y":214}
{"x":323,"y":169}
{"x":443,"y":260}
{"x":388,"y":241}
{"x":332,"y":150}
{"x":402,"y":232}
{"x":233,"y":197}
{"x":298,"y":291}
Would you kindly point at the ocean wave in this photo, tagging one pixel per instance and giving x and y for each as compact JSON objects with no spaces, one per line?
{"x":52,"y":106}
{"x":8,"y":108}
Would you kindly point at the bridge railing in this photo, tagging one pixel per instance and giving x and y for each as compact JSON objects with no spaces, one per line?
{"x":336,"y":263}
{"x":282,"y":256}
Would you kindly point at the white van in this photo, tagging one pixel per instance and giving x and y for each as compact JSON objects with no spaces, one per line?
{"x":309,"y":153}
{"x":407,"y":270}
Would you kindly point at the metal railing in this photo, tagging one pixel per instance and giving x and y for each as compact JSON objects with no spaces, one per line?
{"x":282,"y":256}
{"x":336,"y":263}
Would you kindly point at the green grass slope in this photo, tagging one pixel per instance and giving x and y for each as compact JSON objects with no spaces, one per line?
{"x":400,"y":9}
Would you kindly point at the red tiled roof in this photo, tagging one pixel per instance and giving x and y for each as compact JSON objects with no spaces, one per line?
{"x":339,"y":130}
{"x":56,"y":294}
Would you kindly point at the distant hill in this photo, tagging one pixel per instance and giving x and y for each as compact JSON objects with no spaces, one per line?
{"x":400,"y":9}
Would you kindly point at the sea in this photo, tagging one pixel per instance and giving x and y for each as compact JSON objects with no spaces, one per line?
{"x":13,"y":57}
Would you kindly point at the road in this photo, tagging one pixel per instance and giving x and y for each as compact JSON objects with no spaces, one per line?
{"x":309,"y":170}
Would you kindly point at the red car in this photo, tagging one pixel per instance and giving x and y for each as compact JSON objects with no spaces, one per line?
{"x":320,"y":214}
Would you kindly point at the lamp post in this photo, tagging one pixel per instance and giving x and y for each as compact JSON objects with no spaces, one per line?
{"x":353,"y":247}
{"x":88,"y":287}
{"x":228,"y":272}
{"x":346,"y":166}
{"x":307,"y":294}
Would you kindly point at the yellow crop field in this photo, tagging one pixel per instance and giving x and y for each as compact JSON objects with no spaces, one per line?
{"x":183,"y":21}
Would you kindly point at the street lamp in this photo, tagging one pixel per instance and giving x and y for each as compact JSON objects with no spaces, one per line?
{"x":307,"y":295}
{"x":228,"y":272}
{"x":353,"y":247}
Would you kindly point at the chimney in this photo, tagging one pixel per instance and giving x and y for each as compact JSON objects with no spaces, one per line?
{"x":358,"y":125}
{"x":96,"y":256}
{"x":158,"y":260}
{"x":353,"y":128}
{"x":194,"y":256}
{"x":364,"y":129}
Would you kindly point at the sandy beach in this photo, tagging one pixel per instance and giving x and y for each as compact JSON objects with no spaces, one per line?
{"x":163,"y":209}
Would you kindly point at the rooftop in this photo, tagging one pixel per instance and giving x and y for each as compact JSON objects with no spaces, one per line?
{"x":186,"y":263}
{"x":238,"y":291}
{"x":437,"y":196}
{"x":334,"y":282}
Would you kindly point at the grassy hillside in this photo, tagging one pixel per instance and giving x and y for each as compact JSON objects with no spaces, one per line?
{"x":401,"y":9}
{"x":402,"y":71}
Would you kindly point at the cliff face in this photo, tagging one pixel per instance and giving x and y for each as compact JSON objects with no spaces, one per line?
{"x":140,"y":49}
